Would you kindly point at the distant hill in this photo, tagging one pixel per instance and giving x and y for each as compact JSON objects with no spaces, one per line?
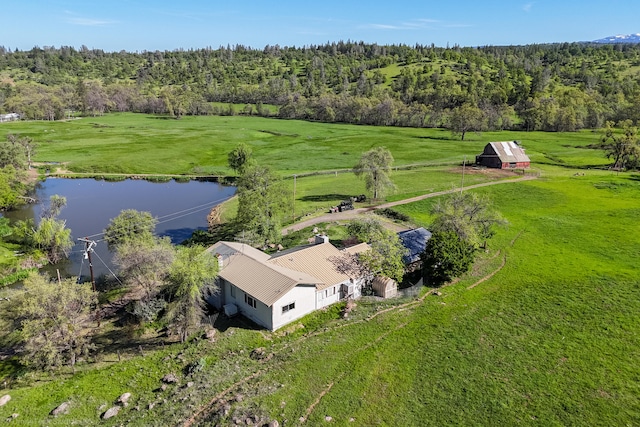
{"x":630,"y":38}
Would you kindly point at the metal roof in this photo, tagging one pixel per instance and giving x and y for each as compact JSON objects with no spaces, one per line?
{"x":247,"y":268}
{"x":313,"y":260}
{"x":356,"y":249}
{"x":509,"y":151}
{"x":415,"y":241}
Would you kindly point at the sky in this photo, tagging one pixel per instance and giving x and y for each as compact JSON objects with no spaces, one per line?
{"x":143,"y":25}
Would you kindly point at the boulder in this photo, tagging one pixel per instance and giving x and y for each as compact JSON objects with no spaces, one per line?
{"x":258,"y":353}
{"x":63,"y":408}
{"x":4,"y":399}
{"x":124,"y":399}
{"x":170,"y":379}
{"x":111,"y":412}
{"x":211,"y":335}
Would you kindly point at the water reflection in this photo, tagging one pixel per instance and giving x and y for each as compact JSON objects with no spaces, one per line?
{"x":180,"y":207}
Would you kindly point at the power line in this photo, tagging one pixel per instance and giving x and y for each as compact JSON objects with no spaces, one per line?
{"x":175,"y":215}
{"x":110,"y":271}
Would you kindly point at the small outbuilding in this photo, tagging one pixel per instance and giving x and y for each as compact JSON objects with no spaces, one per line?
{"x":385,"y":287}
{"x":11,"y":117}
{"x":415,"y":241}
{"x":503,"y":155}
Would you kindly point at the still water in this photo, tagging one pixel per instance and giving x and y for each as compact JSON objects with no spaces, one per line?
{"x":181,"y":208}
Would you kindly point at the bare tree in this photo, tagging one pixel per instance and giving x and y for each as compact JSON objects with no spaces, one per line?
{"x":145,"y":264}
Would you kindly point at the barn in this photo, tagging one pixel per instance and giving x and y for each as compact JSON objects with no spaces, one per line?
{"x":503,"y":155}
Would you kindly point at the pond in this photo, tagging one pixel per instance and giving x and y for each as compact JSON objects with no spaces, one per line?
{"x":180,"y":207}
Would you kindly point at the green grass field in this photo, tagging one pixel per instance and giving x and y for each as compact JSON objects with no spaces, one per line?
{"x":137,"y":144}
{"x":551,"y":339}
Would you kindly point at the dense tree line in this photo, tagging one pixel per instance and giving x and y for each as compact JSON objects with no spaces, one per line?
{"x":555,"y":87}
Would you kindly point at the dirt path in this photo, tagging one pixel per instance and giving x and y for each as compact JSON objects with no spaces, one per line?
{"x":356,"y":213}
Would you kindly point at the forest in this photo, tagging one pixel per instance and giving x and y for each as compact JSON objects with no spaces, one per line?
{"x":551,"y":87}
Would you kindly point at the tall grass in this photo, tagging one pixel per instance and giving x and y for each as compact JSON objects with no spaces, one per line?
{"x":140,"y":144}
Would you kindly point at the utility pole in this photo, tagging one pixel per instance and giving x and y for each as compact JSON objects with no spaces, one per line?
{"x":464,"y":162}
{"x":294,"y":196}
{"x":88,"y":248}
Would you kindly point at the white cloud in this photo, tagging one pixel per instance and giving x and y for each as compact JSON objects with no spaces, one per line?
{"x":415,"y":24}
{"x":527,"y":7}
{"x":382,"y":27}
{"x":88,"y":22}
{"x":75,"y":19}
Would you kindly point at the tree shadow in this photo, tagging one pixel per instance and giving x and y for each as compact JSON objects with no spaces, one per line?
{"x":162,"y":117}
{"x":325,"y":197}
{"x":442,"y":138}
{"x":222,"y":322}
{"x":120,"y":340}
{"x":207,"y":237}
{"x":178,"y":235}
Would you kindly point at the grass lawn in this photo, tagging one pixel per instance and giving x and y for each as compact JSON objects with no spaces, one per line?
{"x":552,"y":338}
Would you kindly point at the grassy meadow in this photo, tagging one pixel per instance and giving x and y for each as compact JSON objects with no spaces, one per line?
{"x":550,"y":337}
{"x":132,"y":144}
{"x":145,"y":144}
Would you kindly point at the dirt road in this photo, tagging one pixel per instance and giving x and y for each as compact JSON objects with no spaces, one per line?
{"x":356,"y":213}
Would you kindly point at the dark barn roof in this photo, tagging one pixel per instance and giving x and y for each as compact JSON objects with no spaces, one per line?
{"x":415,"y":241}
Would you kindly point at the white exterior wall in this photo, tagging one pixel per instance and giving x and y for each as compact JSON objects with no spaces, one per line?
{"x":303,"y":297}
{"x":261,"y":314}
{"x":328,"y":296}
{"x":358,"y":289}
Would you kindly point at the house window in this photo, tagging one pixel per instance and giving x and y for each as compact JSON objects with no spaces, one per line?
{"x":250,"y":300}
{"x":233,"y":291}
{"x":288,"y":307}
{"x":329,"y":292}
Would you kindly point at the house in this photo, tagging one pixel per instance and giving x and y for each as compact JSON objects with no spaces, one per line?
{"x":415,"y":241}
{"x":274,"y":290}
{"x":9,"y":117}
{"x":503,"y":155}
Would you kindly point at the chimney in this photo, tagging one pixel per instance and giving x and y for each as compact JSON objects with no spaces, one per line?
{"x":220,"y":262}
{"x":321,"y":238}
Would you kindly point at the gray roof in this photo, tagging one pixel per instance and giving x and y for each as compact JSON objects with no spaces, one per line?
{"x":313,"y":260}
{"x":509,"y":151}
{"x":247,"y":268}
{"x":415,"y":241}
{"x":267,"y":278}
